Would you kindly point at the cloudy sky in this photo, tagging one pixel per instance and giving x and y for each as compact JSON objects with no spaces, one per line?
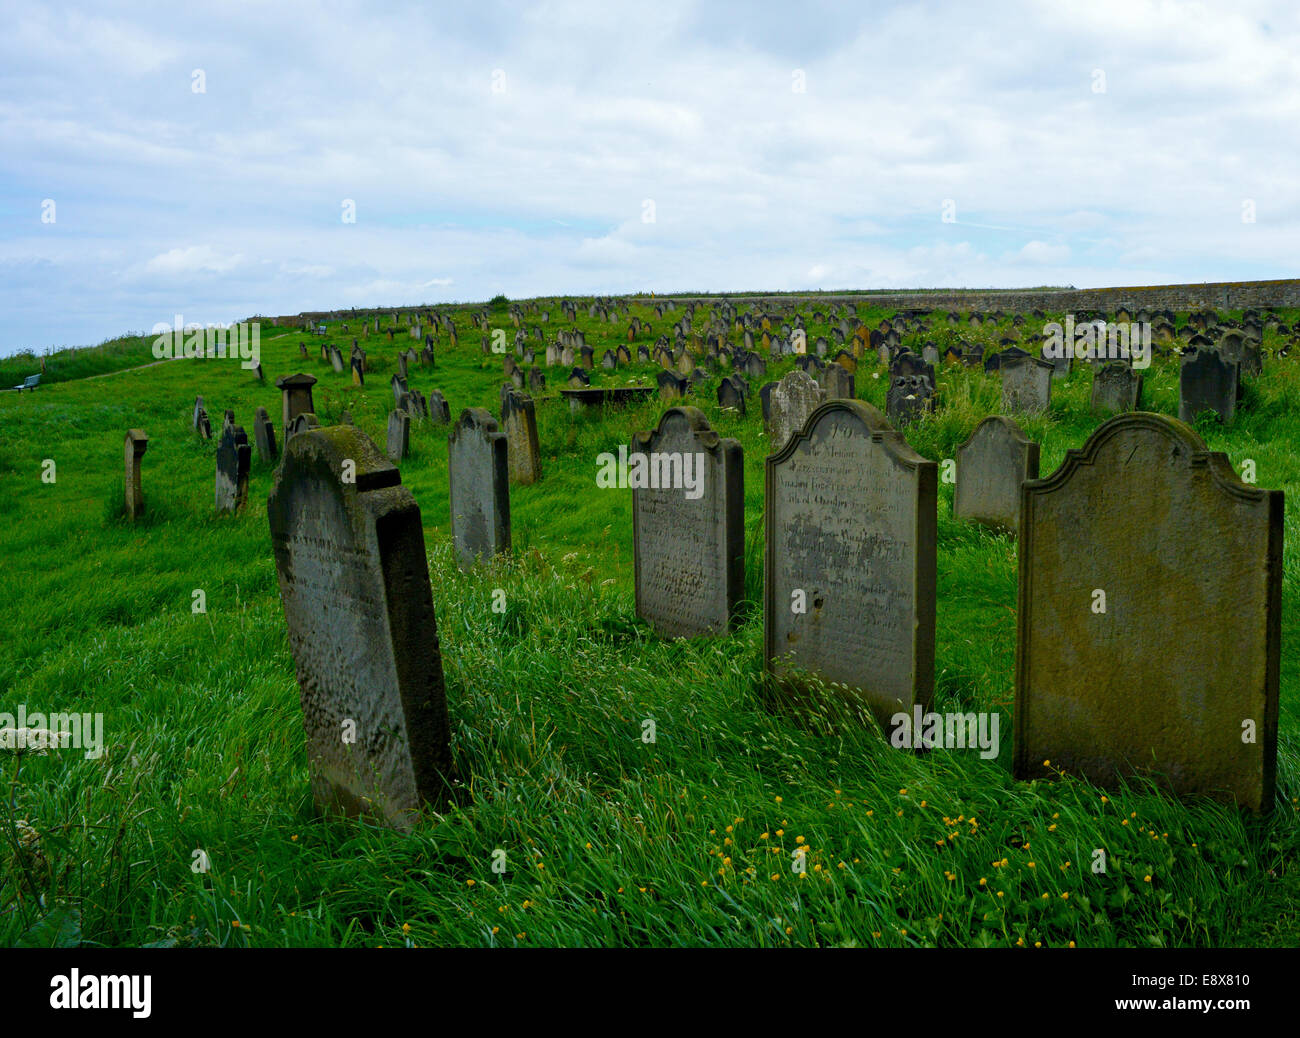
{"x":157,"y":160}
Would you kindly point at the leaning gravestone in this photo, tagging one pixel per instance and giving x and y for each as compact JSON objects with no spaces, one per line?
{"x":354,"y":582}
{"x":1116,"y":388}
{"x":1026,"y":383}
{"x":135,"y":445}
{"x":792,"y":400}
{"x":850,"y":560}
{"x":519,"y":422}
{"x":234,"y":457}
{"x":991,"y":466}
{"x":438,"y":408}
{"x":1207,"y":382}
{"x":399,"y":435}
{"x":264,"y":436}
{"x":1156,"y":652}
{"x":688,"y":540}
{"x":478,"y":473}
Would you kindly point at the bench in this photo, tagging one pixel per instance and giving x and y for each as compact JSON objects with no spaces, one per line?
{"x":30,"y":382}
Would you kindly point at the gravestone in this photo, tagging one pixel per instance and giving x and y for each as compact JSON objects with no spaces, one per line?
{"x":732,"y":391}
{"x":671,"y":385}
{"x":301,"y":423}
{"x":991,"y":466}
{"x":264,"y":436}
{"x":579,"y":379}
{"x":1116,"y":388}
{"x":478,"y":472}
{"x":399,"y":435}
{"x":295,"y":399}
{"x":354,"y":583}
{"x":687,"y":534}
{"x":1173,"y":673}
{"x":198,"y":410}
{"x":536,"y":381}
{"x":437,"y":409}
{"x":1026,"y":383}
{"x":336,"y":359}
{"x":135,"y":445}
{"x":1207,"y":382}
{"x":234,"y":457}
{"x":908,"y":398}
{"x":519,"y":422}
{"x":837,"y":381}
{"x":850,"y":560}
{"x":792,"y":400}
{"x":399,"y":387}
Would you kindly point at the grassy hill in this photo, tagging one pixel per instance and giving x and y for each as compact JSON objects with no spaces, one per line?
{"x":608,"y":840}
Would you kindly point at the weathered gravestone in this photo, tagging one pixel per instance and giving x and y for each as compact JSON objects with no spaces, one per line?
{"x":519,"y":422}
{"x":1116,"y":388}
{"x":199,"y":409}
{"x":1150,"y":617}
{"x":671,"y":385}
{"x":837,"y":381}
{"x":354,"y":582}
{"x":790,"y":403}
{"x":295,"y":399}
{"x":478,"y":472}
{"x":399,"y":435}
{"x":1026,"y":384}
{"x":234,"y":457}
{"x":437,"y":408}
{"x":849,"y":594}
{"x":1207,"y":382}
{"x":687,"y":525}
{"x":909,"y":397}
{"x":991,"y":466}
{"x":264,"y":436}
{"x":732,"y":391}
{"x":135,"y":446}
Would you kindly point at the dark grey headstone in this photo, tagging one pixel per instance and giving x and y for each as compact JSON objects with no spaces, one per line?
{"x":478,"y":473}
{"x":354,"y":582}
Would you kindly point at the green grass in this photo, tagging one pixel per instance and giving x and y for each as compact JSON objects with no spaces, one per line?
{"x":608,"y":840}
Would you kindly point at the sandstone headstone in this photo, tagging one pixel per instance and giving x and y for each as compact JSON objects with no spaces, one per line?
{"x":519,"y":422}
{"x":687,"y":525}
{"x":850,"y":560}
{"x":1116,"y":388}
{"x":478,"y":472}
{"x":354,"y":582}
{"x":1026,"y":384}
{"x":295,"y":398}
{"x":135,"y":446}
{"x":1174,"y":672}
{"x":837,"y":381}
{"x":991,"y":466}
{"x":792,"y":400}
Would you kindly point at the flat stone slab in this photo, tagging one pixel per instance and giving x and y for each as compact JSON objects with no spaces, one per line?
{"x":614,"y":397}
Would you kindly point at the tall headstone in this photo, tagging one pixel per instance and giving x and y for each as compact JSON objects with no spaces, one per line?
{"x":792,"y":400}
{"x":1149,"y":619}
{"x":234,"y":457}
{"x":688,"y":531}
{"x":439,"y":411}
{"x":850,"y":560}
{"x":479,"y":477}
{"x":264,"y":436}
{"x":135,"y":446}
{"x":1207,"y":382}
{"x":399,"y":435}
{"x":295,"y":399}
{"x":991,"y":467}
{"x":519,"y":422}
{"x":354,"y":582}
